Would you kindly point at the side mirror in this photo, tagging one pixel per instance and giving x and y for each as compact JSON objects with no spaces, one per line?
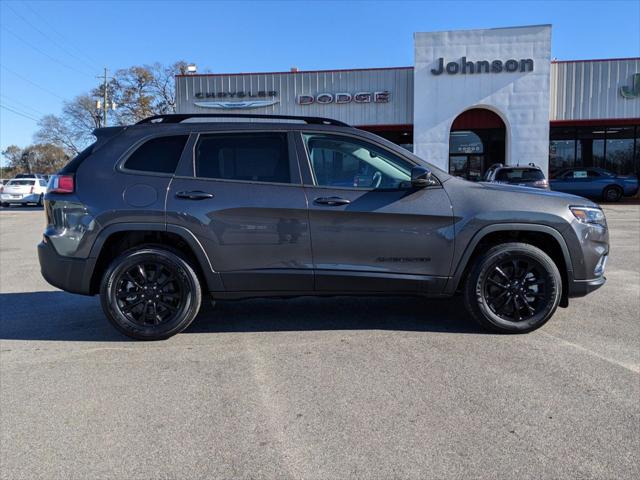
{"x":421,"y":177}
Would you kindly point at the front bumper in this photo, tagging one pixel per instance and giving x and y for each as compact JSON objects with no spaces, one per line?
{"x":580,"y":288}
{"x":69,"y":274}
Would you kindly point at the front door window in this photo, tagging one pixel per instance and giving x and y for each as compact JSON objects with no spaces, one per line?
{"x":347,"y":162}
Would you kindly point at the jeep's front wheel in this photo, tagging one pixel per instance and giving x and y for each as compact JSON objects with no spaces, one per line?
{"x":513,"y":288}
{"x":150,"y":293}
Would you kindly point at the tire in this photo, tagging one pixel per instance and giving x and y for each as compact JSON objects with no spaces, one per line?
{"x":513,"y":288}
{"x":5,"y":205}
{"x":157,"y":305}
{"x":612,"y":194}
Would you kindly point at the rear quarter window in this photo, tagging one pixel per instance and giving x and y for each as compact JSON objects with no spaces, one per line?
{"x":157,"y":155}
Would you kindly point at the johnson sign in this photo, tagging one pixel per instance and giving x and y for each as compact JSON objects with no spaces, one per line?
{"x":482,"y":66}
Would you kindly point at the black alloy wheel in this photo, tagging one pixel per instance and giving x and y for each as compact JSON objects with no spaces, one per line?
{"x":150,"y":293}
{"x":513,"y":288}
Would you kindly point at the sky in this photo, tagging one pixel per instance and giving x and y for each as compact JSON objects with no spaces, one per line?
{"x":51,"y":51}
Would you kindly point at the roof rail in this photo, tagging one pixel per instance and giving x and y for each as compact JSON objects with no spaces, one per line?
{"x":179,"y":117}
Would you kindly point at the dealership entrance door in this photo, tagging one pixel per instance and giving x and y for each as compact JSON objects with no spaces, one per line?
{"x":476,"y":141}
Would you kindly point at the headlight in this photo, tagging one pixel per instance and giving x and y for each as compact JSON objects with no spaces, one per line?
{"x":589,"y":215}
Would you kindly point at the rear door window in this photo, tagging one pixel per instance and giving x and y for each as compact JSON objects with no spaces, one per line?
{"x":22,"y":183}
{"x":520,"y":174}
{"x":158,"y":155}
{"x":252,"y":157}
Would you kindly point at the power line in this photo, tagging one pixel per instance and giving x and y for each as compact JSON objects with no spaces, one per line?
{"x":20,"y":104}
{"x":43,"y":53}
{"x":60,"y":35}
{"x":93,"y":67}
{"x":32,"y":82}
{"x":18,"y":113}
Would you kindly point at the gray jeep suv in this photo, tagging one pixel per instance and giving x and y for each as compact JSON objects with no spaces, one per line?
{"x":155,"y":215}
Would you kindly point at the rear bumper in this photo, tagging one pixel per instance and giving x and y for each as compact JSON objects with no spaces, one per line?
{"x":69,"y":274}
{"x":26,"y":198}
{"x":580,"y":288}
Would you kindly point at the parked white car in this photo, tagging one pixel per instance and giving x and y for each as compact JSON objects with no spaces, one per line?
{"x":23,"y":190}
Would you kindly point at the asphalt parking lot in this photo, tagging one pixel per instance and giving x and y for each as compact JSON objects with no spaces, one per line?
{"x":318,"y":388}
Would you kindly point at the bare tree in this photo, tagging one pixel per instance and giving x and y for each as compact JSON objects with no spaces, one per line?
{"x":138,"y":92}
{"x":163,"y":85}
{"x":72,"y":129}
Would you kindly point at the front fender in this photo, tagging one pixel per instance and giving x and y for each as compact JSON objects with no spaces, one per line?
{"x":462,"y":259}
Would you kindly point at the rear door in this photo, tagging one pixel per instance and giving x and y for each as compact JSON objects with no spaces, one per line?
{"x":240,"y":194}
{"x":370,"y":230}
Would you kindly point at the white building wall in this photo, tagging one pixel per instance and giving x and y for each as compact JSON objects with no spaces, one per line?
{"x":520,"y":98}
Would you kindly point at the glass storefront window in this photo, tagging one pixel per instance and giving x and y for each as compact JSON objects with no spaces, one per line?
{"x":619,"y":149}
{"x":465,"y":142}
{"x":616,"y":149}
{"x":562,"y":149}
{"x":590,"y":151}
{"x":471,"y":152}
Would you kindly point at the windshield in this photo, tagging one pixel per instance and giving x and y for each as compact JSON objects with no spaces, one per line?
{"x":519,"y":175}
{"x":21,"y":182}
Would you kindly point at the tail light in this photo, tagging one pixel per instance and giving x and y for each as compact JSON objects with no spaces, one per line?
{"x":61,"y":184}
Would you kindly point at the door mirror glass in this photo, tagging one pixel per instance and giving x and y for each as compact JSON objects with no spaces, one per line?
{"x":421,"y":177}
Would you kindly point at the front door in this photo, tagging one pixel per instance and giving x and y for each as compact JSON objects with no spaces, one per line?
{"x":244,"y":201}
{"x":370,"y":230}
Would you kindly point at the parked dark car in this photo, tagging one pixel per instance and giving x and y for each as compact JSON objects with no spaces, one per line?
{"x":524,"y":176}
{"x":157,"y":215}
{"x":594,"y":183}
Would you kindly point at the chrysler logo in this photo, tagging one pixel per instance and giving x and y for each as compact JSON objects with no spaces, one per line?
{"x":241,"y":105}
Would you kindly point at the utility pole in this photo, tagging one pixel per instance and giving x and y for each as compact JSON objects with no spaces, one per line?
{"x":105,"y":98}
{"x":105,"y":107}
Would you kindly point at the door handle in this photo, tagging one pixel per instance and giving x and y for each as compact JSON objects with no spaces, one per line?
{"x":194,"y":195}
{"x":332,"y":201}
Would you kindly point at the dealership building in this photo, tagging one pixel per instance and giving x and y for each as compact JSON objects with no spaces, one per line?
{"x":473,"y":98}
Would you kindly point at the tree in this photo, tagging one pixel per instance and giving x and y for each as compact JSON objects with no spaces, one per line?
{"x":38,"y":158}
{"x":145,"y":90}
{"x":72,"y":129}
{"x":138,"y":92}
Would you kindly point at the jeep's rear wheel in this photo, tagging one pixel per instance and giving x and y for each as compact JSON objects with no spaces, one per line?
{"x":513,"y":288}
{"x":150,"y":293}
